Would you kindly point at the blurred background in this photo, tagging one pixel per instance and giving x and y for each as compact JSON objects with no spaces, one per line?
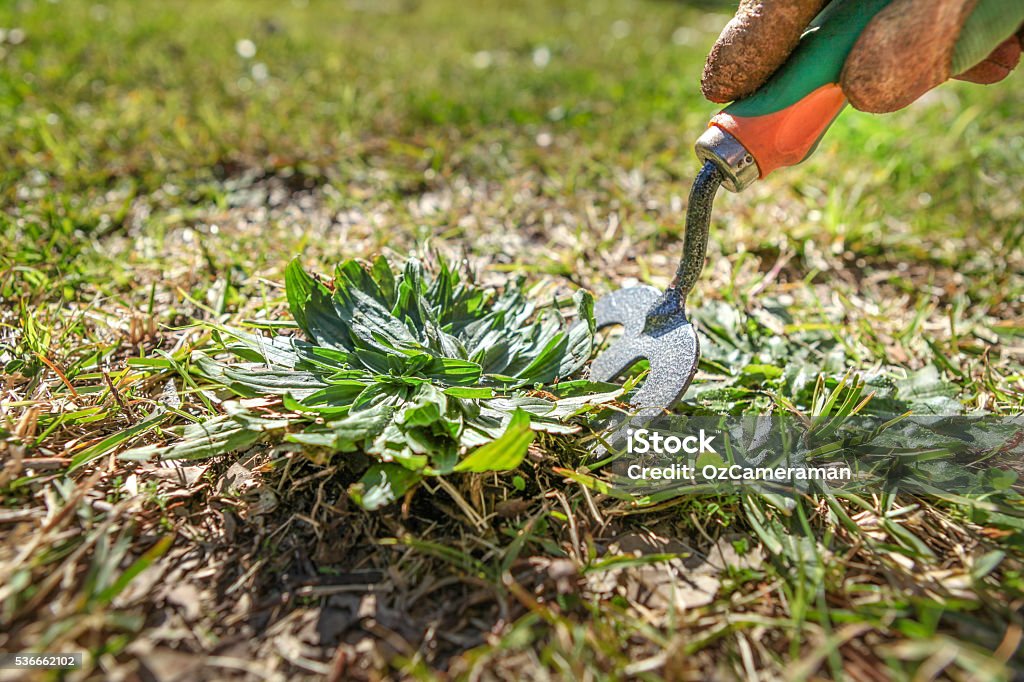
{"x":397,"y":95}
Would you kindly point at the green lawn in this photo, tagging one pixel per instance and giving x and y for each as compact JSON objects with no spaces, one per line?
{"x":160,"y":164}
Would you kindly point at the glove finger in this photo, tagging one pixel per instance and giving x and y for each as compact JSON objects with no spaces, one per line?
{"x":903,"y":53}
{"x":753,"y":45}
{"x":997,"y":65}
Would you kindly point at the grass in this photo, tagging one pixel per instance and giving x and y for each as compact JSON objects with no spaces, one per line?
{"x":155,"y":174}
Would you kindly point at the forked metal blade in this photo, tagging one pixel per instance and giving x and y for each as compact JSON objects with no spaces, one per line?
{"x":671,"y":349}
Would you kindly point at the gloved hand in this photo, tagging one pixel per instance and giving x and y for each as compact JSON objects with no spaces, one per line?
{"x":907,"y":49}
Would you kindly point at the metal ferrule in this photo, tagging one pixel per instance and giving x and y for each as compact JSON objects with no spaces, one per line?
{"x":739,"y":169}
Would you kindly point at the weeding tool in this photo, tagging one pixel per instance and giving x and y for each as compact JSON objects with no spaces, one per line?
{"x":779,"y":125}
{"x":654,"y":324}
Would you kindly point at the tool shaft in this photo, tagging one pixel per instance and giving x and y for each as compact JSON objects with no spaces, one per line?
{"x":698,"y":221}
{"x":695,"y":246}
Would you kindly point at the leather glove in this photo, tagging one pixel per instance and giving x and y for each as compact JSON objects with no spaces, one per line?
{"x":907,"y":49}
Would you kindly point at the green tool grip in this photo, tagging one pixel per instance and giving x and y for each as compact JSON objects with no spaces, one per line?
{"x":817,"y":60}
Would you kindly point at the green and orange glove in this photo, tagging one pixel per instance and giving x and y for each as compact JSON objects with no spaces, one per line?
{"x":907,"y":48}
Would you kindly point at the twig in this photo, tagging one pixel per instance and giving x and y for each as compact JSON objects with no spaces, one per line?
{"x":58,"y":372}
{"x":117,"y":395}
